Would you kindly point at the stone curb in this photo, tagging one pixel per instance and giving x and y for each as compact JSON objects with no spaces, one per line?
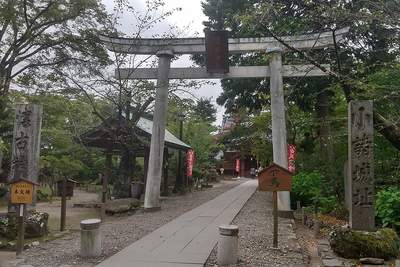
{"x":328,"y":257}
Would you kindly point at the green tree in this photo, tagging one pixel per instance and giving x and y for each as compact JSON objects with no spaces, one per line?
{"x":370,"y":46}
{"x":197,"y":131}
{"x":199,"y":136}
{"x":261,"y":138}
{"x":205,"y":110}
{"x":40,"y":39}
{"x":53,"y":170}
{"x":130,"y":99}
{"x":67,"y":58}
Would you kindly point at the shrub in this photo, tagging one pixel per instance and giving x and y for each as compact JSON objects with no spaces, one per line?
{"x":41,"y":196}
{"x":198,"y":174}
{"x":387,"y":205}
{"x":311,"y":187}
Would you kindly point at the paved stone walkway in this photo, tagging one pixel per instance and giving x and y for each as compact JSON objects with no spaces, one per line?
{"x":188,"y":240}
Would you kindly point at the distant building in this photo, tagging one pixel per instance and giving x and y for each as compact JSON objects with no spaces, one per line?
{"x":229,"y":156}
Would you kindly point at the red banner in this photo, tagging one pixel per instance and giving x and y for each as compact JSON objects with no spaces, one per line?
{"x":190,"y":163}
{"x":291,"y":158}
{"x":237,"y":165}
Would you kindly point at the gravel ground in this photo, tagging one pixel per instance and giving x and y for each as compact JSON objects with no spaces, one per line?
{"x":255,"y":223}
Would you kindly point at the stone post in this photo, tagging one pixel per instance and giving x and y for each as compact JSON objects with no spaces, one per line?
{"x":228,"y":244}
{"x":90,"y":238}
{"x":361,"y":165}
{"x":279,"y":144}
{"x":152,"y":194}
{"x":26,"y":148}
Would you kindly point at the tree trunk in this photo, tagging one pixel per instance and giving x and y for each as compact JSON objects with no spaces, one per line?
{"x":325,"y":134}
{"x":387,"y":129}
{"x":5,"y":81}
{"x":122,"y":183}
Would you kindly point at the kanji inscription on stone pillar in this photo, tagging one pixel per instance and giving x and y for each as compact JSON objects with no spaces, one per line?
{"x":361,"y":165}
{"x":26,"y":148}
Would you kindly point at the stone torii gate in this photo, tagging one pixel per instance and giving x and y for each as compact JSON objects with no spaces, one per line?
{"x":165,"y":49}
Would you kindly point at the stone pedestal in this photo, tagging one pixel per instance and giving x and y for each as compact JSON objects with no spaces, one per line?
{"x":228,"y":244}
{"x":90,"y":238}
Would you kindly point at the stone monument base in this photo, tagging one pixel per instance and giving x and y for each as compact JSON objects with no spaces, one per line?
{"x":36,"y":225}
{"x":352,"y":244}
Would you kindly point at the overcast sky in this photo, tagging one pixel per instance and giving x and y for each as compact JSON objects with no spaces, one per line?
{"x":190,"y":19}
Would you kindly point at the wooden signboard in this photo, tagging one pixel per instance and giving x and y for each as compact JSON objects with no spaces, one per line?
{"x":22,"y":191}
{"x":69,"y":189}
{"x":275,"y":178}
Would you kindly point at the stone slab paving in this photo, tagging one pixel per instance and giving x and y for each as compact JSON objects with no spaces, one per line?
{"x":188,"y":240}
{"x":332,"y":263}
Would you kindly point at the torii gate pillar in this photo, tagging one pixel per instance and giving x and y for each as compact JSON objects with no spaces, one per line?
{"x":151,"y":198}
{"x":279,"y":128}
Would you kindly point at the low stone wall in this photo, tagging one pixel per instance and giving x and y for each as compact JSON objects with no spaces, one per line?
{"x":36,"y":225}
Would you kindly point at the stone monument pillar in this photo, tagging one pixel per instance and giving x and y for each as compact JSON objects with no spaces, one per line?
{"x":26,"y":148}
{"x":361,"y":166}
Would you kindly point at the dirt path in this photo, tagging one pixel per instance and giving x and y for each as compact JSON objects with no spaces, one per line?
{"x":75,"y":213}
{"x":309,"y":247}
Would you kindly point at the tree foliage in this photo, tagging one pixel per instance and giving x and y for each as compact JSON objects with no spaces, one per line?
{"x":370,"y":46}
{"x":51,"y":52}
{"x":40,"y":39}
{"x":205,"y":110}
{"x":197,"y":131}
{"x":53,"y":170}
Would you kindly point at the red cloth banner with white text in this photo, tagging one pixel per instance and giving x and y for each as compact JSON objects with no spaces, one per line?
{"x":190,"y":163}
{"x":237,"y":165}
{"x":291,"y":158}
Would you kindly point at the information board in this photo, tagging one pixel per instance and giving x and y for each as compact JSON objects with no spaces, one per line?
{"x":22,"y":192}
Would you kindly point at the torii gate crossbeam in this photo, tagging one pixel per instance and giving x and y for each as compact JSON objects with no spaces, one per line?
{"x":150,"y":46}
{"x":166,"y":48}
{"x":247,"y":72}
